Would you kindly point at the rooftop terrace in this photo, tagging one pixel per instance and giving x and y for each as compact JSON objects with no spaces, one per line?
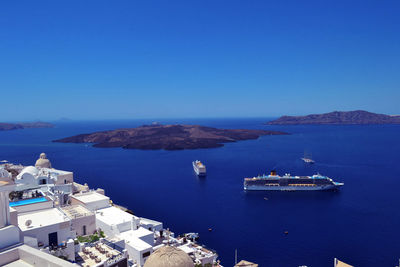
{"x":97,"y":253}
{"x":90,"y":197}
{"x":76,"y":211}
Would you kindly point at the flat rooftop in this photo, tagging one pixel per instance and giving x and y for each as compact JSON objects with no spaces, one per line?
{"x":187,"y":249}
{"x":40,"y":218}
{"x":140,"y":232}
{"x":90,"y":197}
{"x":76,"y":211}
{"x":113,"y":215}
{"x":131,"y":238}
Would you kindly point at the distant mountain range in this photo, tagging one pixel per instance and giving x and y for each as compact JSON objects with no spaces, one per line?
{"x":168,"y":137}
{"x":16,"y":126}
{"x":339,"y":117}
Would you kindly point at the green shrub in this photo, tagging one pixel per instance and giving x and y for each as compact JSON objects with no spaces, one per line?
{"x":102,"y":234}
{"x":91,"y":238}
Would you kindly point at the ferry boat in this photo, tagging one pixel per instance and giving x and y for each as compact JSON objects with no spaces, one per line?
{"x":199,"y":168}
{"x":288,"y":182}
{"x":307,"y":159}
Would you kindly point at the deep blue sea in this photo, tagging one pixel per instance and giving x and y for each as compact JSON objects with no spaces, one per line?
{"x":359,"y":225}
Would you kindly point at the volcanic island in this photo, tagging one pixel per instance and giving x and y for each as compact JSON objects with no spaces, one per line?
{"x":167,"y":137}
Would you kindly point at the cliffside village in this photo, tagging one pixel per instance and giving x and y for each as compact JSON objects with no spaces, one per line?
{"x":47,"y":219}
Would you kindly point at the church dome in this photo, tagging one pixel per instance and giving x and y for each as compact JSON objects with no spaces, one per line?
{"x":31,"y":170}
{"x":169,"y":257}
{"x":43,"y":162}
{"x":28,"y":173}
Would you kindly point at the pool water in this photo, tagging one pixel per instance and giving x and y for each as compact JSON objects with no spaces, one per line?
{"x":27,"y":201}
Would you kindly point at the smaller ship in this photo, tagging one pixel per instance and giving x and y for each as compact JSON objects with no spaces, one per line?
{"x":307,"y":159}
{"x":199,"y":168}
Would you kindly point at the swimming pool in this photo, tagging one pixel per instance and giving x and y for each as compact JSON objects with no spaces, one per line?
{"x":27,"y":201}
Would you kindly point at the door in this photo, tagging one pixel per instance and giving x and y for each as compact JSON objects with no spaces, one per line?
{"x":53,"y":239}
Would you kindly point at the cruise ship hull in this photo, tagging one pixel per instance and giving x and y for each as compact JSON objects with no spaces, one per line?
{"x":290,"y":188}
{"x":201,"y":174}
{"x":274,"y":182}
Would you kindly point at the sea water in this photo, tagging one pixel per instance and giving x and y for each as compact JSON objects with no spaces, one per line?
{"x":359,"y":224}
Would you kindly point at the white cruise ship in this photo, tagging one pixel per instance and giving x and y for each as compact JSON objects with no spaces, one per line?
{"x":274,"y":182}
{"x":199,"y":168}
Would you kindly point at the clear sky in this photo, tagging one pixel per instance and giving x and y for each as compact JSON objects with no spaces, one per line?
{"x":197,"y":58}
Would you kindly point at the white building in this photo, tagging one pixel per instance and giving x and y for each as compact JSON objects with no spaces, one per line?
{"x":41,"y":179}
{"x":83,"y":221}
{"x":49,"y":227}
{"x":53,"y":229}
{"x":54,"y":225}
{"x":114,"y":221}
{"x":32,"y":177}
{"x":151,"y":225}
{"x":136,"y":233}
{"x":9,"y":232}
{"x":139,"y":244}
{"x":91,"y":200}
{"x":50,"y":216}
{"x":12,"y":251}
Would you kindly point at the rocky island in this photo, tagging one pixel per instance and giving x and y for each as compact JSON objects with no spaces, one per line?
{"x":168,"y":137}
{"x":338,"y":117}
{"x":24,"y":125}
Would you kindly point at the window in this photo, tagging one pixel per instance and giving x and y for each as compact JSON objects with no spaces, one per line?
{"x":65,"y":181}
{"x":84,"y":230}
{"x":146,"y":254}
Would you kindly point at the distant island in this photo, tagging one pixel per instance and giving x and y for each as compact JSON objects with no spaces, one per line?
{"x":339,"y":117}
{"x":16,"y":126}
{"x":168,"y":137}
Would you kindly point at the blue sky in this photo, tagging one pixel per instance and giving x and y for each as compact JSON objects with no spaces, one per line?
{"x":209,"y":58}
